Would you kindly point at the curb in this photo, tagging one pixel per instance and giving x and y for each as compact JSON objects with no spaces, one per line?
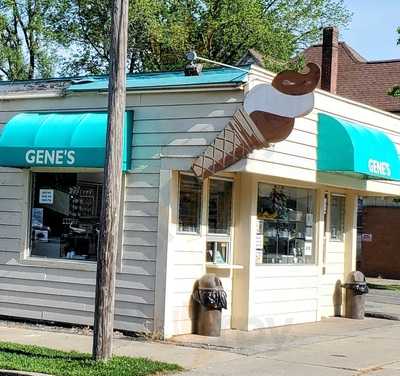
{"x":4,"y":372}
{"x":380,"y":315}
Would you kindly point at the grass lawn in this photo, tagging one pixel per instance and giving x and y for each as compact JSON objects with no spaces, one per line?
{"x":61,"y":363}
{"x":384,"y":287}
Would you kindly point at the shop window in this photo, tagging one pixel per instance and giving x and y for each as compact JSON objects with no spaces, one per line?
{"x":285,"y":225}
{"x":337,"y":217}
{"x":220,"y":207}
{"x":190,"y":189}
{"x":65,"y":217}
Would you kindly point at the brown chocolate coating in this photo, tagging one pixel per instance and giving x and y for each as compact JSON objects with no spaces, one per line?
{"x":295,"y":83}
{"x":273,"y":127}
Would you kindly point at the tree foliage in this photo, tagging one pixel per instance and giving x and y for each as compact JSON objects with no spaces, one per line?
{"x":161,"y":31}
{"x":395,"y":91}
{"x":27,"y":43}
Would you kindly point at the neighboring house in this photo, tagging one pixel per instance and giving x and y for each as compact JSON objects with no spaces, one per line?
{"x":278,"y":227}
{"x":348,"y":74}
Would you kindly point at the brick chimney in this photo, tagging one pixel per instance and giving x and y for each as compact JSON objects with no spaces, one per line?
{"x":330,"y":55}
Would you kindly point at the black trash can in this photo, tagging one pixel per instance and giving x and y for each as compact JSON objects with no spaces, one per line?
{"x":356,"y":288}
{"x":209,"y":298}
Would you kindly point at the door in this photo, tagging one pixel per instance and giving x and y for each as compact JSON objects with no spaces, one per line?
{"x":333,"y":254}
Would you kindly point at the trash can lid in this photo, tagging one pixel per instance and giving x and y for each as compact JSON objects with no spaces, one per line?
{"x":355,"y":277}
{"x":209,"y":281}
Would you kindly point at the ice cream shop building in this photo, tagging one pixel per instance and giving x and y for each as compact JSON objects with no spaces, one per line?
{"x":252,"y":177}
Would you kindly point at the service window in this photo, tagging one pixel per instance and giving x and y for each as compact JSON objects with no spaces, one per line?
{"x":285,"y":225}
{"x":190,"y":190}
{"x":219,"y":222}
{"x":337,"y":211}
{"x":218,"y":252}
{"x":65,"y":217}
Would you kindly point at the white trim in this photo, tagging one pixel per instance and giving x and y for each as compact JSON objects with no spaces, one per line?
{"x":31,"y":95}
{"x":170,"y":89}
{"x":212,"y":265}
{"x":163,"y":259}
{"x":59,"y":263}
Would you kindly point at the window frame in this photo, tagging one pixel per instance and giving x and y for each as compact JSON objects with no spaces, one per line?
{"x":213,"y":234}
{"x":224,"y":238}
{"x":315,"y":227}
{"x":343,"y":224}
{"x":62,"y":263}
{"x":228,"y":260}
{"x":200,"y":209}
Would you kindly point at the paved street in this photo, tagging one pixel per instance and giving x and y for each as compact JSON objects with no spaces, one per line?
{"x":332,"y":347}
{"x":384,"y":302}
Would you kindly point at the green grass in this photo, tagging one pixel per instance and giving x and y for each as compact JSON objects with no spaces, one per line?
{"x":61,"y":363}
{"x":384,"y":287}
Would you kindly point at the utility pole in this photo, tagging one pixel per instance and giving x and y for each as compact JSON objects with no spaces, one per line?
{"x":109,"y":221}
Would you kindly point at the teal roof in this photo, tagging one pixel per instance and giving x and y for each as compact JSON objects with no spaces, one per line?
{"x":60,"y":140}
{"x":217,"y":76}
{"x":351,"y":148}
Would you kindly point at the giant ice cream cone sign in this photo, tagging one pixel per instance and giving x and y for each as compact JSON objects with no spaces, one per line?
{"x":268,"y":116}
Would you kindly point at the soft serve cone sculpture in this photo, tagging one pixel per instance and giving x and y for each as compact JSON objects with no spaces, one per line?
{"x":268,"y":117}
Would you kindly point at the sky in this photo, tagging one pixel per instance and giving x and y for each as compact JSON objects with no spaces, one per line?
{"x":372,"y":31}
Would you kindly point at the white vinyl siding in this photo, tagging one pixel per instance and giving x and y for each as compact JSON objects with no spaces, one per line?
{"x":169,"y":130}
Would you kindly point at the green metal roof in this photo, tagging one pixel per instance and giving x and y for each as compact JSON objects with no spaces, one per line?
{"x":60,"y":140}
{"x":217,"y":76}
{"x":351,"y":148}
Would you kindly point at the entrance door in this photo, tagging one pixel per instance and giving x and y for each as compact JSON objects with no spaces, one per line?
{"x":334,"y":254}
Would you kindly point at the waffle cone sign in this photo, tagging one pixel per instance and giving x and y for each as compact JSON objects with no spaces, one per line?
{"x":268,"y":116}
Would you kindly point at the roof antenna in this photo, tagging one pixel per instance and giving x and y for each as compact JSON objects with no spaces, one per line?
{"x":194,"y":69}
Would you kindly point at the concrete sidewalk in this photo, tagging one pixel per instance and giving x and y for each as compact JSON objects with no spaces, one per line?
{"x":336,"y":347}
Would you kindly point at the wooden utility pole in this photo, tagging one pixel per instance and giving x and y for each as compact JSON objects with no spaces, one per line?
{"x":109,"y":221}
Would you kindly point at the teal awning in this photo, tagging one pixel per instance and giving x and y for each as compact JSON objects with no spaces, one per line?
{"x":350,"y":148}
{"x":60,"y":140}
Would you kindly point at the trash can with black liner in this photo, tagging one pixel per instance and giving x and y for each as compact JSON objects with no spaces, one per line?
{"x":209,"y":298}
{"x":356,"y":288}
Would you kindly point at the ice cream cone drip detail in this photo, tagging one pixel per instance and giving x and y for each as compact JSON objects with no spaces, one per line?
{"x":268,"y":117}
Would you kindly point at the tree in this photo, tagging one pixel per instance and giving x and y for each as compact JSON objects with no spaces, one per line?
{"x":161,"y":31}
{"x":27,"y":48}
{"x":395,"y":91}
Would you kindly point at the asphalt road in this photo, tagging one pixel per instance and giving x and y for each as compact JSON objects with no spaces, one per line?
{"x":384,"y":302}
